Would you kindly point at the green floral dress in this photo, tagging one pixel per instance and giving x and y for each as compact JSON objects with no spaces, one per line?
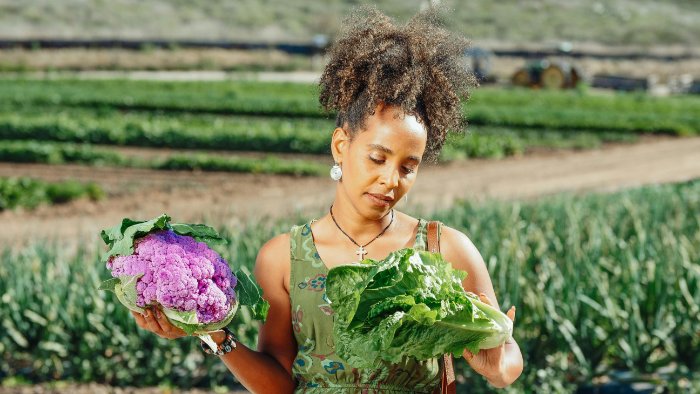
{"x":317,"y":368}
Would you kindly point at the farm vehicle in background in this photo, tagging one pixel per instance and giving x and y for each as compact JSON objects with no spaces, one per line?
{"x":478,"y":60}
{"x":547,"y":74}
{"x":538,"y":74}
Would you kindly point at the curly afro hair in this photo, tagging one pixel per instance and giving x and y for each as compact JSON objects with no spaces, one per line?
{"x":418,"y":67}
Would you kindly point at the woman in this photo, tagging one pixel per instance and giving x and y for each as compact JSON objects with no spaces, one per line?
{"x":397,"y":92}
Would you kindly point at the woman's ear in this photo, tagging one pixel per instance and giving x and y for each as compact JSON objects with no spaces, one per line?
{"x":339,"y":144}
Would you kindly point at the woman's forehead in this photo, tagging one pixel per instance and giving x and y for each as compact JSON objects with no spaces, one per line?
{"x":402,"y":134}
{"x":393,"y":117}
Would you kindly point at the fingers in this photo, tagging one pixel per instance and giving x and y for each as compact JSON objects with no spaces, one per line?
{"x":169,"y":330}
{"x":140,"y":321}
{"x":511,"y":313}
{"x":485,"y":299}
{"x":162,"y":321}
{"x":148,"y":321}
{"x":153,"y":323}
{"x":153,"y":319}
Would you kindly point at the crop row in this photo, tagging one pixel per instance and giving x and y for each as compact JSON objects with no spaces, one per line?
{"x":204,"y":132}
{"x":289,"y":135}
{"x":62,"y":153}
{"x":29,"y":193}
{"x":601,"y":282}
{"x":489,"y":106}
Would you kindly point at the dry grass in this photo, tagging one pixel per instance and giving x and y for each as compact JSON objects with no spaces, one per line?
{"x":612,"y":22}
{"x":151,"y":59}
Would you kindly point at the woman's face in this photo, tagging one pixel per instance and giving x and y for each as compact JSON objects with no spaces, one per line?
{"x":381,"y":163}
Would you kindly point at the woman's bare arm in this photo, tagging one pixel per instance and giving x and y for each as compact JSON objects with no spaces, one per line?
{"x":500,"y":366}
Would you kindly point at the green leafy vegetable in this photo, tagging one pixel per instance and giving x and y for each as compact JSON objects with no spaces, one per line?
{"x":121,"y":242}
{"x":410,"y":304}
{"x":250,"y":294}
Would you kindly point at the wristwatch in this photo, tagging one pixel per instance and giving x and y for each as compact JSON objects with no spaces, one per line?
{"x":225,"y":347}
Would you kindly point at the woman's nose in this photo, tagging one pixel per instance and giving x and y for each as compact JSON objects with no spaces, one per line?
{"x":390,"y":177}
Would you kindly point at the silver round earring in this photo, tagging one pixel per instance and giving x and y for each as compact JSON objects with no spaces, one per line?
{"x":405,"y":197}
{"x":336,"y":172}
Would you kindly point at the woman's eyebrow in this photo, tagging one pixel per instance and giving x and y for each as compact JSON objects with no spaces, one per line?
{"x":389,"y":151}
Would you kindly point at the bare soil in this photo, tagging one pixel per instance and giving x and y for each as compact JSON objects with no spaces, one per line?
{"x":233,"y":199}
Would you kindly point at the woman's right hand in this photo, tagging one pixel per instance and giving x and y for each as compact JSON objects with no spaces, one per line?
{"x":154,"y":320}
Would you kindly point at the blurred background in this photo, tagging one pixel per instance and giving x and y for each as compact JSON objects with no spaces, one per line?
{"x":576,"y":178}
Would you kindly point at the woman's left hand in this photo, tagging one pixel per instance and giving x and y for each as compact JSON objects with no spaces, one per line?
{"x":490,"y":363}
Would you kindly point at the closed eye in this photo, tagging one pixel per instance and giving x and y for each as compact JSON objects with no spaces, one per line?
{"x":405,"y":169}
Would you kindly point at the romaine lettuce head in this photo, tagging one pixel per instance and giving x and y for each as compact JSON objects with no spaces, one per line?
{"x":410,"y":304}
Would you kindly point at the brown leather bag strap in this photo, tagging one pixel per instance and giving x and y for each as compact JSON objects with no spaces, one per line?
{"x":447,"y":382}
{"x":448,"y":385}
{"x":433,"y":238}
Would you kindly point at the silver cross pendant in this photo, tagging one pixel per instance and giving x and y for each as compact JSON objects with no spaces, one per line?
{"x":361,"y":252}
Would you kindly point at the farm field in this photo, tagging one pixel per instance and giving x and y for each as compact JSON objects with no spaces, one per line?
{"x":585,"y":203}
{"x":600,"y":253}
{"x":158,"y":145}
{"x":89,"y":122}
{"x":545,"y":183}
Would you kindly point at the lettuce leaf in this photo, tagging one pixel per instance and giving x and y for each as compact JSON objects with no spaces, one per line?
{"x":410,"y":304}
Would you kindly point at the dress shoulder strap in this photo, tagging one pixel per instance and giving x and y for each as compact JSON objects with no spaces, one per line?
{"x":295,"y":240}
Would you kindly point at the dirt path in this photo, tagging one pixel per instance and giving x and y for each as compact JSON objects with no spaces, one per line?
{"x":225,"y":198}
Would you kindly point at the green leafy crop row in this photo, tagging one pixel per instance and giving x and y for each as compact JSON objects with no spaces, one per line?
{"x":489,"y":106}
{"x":29,"y":193}
{"x":601,"y":282}
{"x":60,"y":153}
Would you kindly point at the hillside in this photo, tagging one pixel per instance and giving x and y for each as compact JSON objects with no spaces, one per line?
{"x":620,"y":22}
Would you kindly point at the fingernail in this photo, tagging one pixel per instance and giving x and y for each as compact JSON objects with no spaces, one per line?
{"x":157,"y":313}
{"x":147,"y":313}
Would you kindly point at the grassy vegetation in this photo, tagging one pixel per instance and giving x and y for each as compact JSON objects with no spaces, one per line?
{"x":601,"y":282}
{"x":176,"y":131}
{"x":604,"y":279}
{"x":618,"y":22}
{"x":57,"y":121}
{"x":518,"y":108}
{"x":29,"y":193}
{"x":263,"y":134}
{"x":61,"y":153}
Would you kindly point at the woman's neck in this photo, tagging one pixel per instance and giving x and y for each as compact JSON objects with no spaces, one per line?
{"x":358,"y":227}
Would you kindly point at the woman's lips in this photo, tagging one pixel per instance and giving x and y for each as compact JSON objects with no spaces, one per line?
{"x":378,"y":201}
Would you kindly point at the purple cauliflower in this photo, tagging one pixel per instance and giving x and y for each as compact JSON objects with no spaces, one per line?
{"x":179,"y":273}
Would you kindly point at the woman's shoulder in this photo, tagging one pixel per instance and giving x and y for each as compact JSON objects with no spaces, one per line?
{"x":277,"y":248}
{"x":275,"y":252}
{"x":272,"y":263}
{"x":455,"y":240}
{"x":459,"y":250}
